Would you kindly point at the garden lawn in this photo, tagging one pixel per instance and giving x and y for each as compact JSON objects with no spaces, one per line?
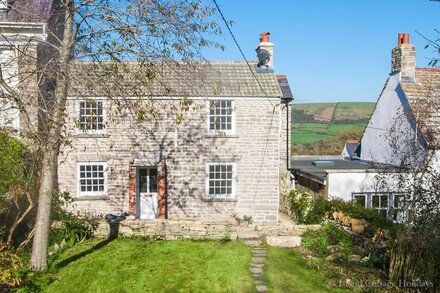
{"x":136,"y":265}
{"x":286,"y":271}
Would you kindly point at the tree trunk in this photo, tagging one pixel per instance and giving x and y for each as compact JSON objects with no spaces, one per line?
{"x":55,"y":123}
{"x":48,"y":183}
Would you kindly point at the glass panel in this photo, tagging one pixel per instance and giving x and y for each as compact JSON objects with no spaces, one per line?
{"x":360,"y":200}
{"x":376,"y":201}
{"x":153,"y":183}
{"x":143,"y":180}
{"x":384,"y":201}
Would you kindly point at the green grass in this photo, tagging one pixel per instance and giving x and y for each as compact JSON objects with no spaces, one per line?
{"x":348,"y":116}
{"x":136,"y":265}
{"x":287,"y":271}
{"x":303,"y":133}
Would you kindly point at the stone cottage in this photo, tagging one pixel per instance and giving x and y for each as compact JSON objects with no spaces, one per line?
{"x":221,"y":157}
{"x":195,"y":140}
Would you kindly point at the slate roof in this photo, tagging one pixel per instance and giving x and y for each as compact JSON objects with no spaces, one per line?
{"x":196,"y":79}
{"x":423,"y":97}
{"x":305,"y":166}
{"x":285,"y":88}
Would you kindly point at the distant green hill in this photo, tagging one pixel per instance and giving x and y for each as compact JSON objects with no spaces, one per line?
{"x":328,"y":112}
{"x":312,"y":122}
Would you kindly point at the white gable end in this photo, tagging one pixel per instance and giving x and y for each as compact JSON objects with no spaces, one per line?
{"x":389,"y":137}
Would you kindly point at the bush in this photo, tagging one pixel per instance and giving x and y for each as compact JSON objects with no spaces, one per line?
{"x":317,"y":241}
{"x":68,"y":228}
{"x":318,"y":208}
{"x":10,"y":266}
{"x":18,"y":176}
{"x":299,"y":204}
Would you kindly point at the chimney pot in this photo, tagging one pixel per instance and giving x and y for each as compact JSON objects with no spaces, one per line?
{"x":405,"y":39}
{"x":399,"y":39}
{"x":402,"y":38}
{"x":265,"y":37}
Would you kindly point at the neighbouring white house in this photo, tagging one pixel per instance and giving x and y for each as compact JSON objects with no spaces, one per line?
{"x":402,"y":131}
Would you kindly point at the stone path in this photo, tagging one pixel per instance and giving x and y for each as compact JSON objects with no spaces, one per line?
{"x":259,"y":253}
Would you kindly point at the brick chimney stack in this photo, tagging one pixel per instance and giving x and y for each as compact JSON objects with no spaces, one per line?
{"x":404,"y":58}
{"x":265,"y":53}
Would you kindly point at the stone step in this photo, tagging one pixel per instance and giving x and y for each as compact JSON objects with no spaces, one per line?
{"x":256,"y":270}
{"x":256,"y":259}
{"x":254,"y":243}
{"x":261,"y":288}
{"x":259,"y":253}
{"x":248,"y":235}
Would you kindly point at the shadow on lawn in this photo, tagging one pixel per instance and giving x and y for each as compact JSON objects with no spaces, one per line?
{"x":114,"y":231}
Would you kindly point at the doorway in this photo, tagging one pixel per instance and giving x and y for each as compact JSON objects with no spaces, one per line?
{"x":147,"y":193}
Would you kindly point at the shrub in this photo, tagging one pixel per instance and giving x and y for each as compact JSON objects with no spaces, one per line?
{"x":317,"y":241}
{"x":10,"y":266}
{"x":320,"y":206}
{"x":18,"y":174}
{"x":70,"y":229}
{"x":299,"y":204}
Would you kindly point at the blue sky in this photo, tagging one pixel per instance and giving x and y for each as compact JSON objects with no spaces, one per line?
{"x":330,"y":50}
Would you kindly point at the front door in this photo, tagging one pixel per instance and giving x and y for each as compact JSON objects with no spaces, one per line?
{"x":147,"y":193}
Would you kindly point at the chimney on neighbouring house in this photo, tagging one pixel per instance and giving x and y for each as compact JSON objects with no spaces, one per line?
{"x":265,"y":53}
{"x":404,"y":58}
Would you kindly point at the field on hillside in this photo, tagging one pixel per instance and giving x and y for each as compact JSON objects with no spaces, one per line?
{"x":318,"y":123}
{"x":303,"y":133}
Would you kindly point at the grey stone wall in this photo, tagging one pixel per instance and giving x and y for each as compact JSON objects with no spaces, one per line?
{"x":187,"y":147}
{"x":160,"y":229}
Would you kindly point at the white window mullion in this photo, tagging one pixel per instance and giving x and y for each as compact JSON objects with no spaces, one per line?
{"x":92,"y":178}
{"x":221,"y":117}
{"x":220,"y":180}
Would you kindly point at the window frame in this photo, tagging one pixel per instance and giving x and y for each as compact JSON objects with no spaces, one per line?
{"x":233,"y":180}
{"x":208,"y":120}
{"x":78,"y":178}
{"x":78,"y":117}
{"x":390,"y":208}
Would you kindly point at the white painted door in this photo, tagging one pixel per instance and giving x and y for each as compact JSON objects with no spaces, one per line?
{"x":147,"y":193}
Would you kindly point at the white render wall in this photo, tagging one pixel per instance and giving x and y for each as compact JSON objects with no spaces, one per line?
{"x":343,"y":184}
{"x":389,"y":137}
{"x":255,"y":149}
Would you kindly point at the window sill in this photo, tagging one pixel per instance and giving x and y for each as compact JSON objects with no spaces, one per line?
{"x":221,"y":135}
{"x":91,"y":135}
{"x":219,"y":199}
{"x":90,"y":197}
